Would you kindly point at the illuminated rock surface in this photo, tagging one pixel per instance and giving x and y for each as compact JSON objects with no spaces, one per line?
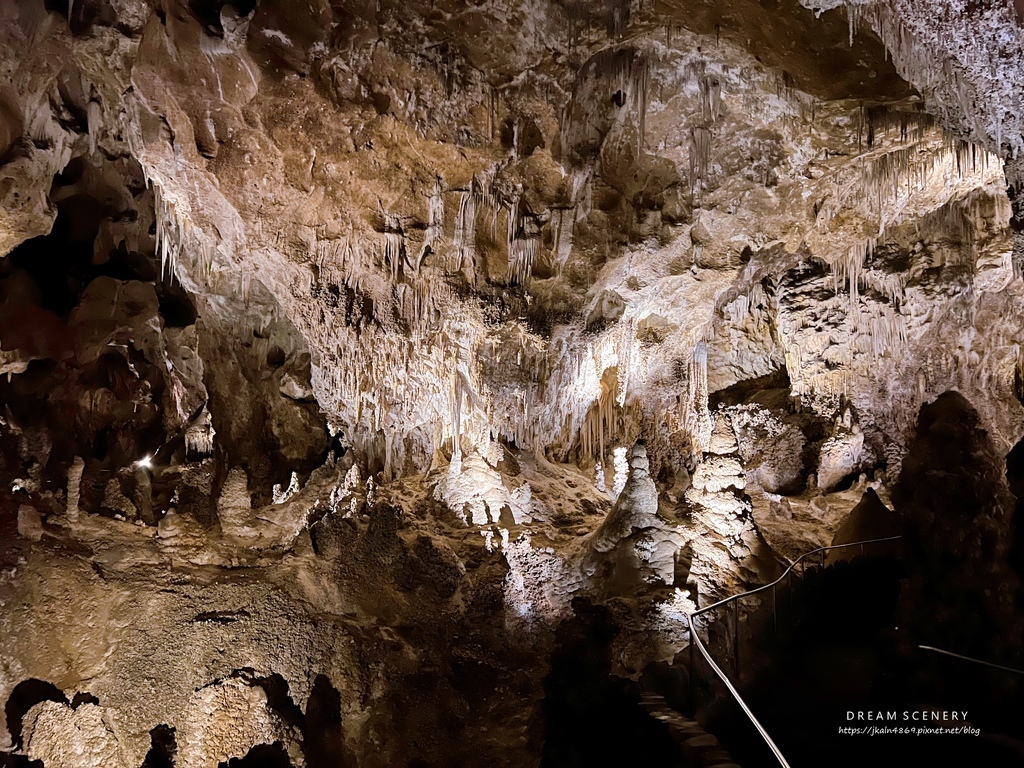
{"x":360,"y":358}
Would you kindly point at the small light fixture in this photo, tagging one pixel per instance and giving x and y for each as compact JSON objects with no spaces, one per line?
{"x":146,"y":462}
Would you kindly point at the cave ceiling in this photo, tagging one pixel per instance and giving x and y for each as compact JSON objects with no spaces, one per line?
{"x":322,"y":320}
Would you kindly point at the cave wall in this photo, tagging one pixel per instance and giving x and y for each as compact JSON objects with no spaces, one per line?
{"x":346,"y":344}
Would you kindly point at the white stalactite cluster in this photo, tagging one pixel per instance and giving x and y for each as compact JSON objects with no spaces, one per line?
{"x":962,"y":68}
{"x":199,"y":436}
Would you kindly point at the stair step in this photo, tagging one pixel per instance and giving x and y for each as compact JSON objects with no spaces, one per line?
{"x":716,"y":757}
{"x":693,"y":730}
{"x":690,"y":734}
{"x":707,"y":741}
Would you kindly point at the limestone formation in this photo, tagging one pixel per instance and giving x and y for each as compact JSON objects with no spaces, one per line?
{"x":372,"y":371}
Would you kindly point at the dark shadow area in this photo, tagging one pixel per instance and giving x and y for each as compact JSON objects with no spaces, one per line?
{"x":98,"y":397}
{"x":840,"y":651}
{"x":279,"y":699}
{"x":592,"y":717}
{"x":849,"y":634}
{"x":60,"y":262}
{"x":836,"y":640}
{"x":8,"y":760}
{"x":26,"y":695}
{"x":323,"y":738}
{"x":63,"y":262}
{"x":163,"y":747}
{"x":956,"y":512}
{"x":261,"y":756}
{"x":324,"y":742}
{"x":1015,"y":480}
{"x":772,"y":388}
{"x":83,"y":697}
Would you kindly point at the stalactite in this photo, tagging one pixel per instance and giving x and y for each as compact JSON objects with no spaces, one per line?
{"x":601,"y":424}
{"x":177,"y":236}
{"x":747,"y":304}
{"x":696,"y":416}
{"x":846,"y":273}
{"x":638,"y":75}
{"x":564,"y":221}
{"x":457,"y":396}
{"x":885,"y":329}
{"x":617,"y":18}
{"x":913,"y":125}
{"x":523,"y":242}
{"x":710,"y":98}
{"x":628,"y":72}
{"x":700,"y":156}
{"x":435,"y":225}
{"x":889,"y":285}
{"x":199,"y":437}
{"x":523,"y":252}
{"x":464,"y":237}
{"x":95,"y":120}
{"x":884,"y":181}
{"x":394,"y":244}
{"x":939,"y":76}
{"x":709,"y":88}
{"x":484,"y":201}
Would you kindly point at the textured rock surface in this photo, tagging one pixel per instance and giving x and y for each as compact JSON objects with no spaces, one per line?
{"x":346,"y":345}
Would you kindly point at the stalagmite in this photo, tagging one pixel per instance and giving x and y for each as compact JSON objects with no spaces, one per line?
{"x":621,"y":464}
{"x":74,"y":488}
{"x":281,"y":496}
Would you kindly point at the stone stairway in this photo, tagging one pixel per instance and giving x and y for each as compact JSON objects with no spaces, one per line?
{"x":702,"y":748}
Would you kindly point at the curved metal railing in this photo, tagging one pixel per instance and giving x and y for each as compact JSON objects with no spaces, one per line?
{"x":960,"y":656}
{"x":696,"y":641}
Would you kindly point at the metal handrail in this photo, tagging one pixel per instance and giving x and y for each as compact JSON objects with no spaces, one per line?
{"x":695,"y":638}
{"x":944,"y":652}
{"x":785,"y":573}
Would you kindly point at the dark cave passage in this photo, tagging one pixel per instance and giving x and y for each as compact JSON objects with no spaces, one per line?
{"x":849,"y":634}
{"x":590,"y":716}
{"x":956,"y":512}
{"x":1015,"y":480}
{"x":262,"y":756}
{"x":324,"y":742}
{"x":96,"y":390}
{"x":163,"y":747}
